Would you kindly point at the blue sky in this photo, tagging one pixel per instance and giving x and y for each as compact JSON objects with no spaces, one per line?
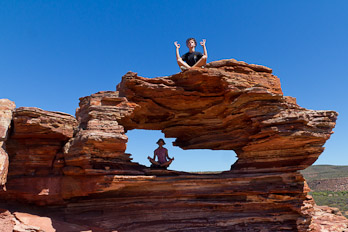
{"x":54,"y":52}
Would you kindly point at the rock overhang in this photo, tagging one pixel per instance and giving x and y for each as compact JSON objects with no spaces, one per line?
{"x":228,"y":105}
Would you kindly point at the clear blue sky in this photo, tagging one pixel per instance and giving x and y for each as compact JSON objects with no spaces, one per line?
{"x":53,"y":52}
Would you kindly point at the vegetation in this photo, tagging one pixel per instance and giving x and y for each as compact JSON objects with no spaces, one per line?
{"x":320,"y":172}
{"x":326,"y":183}
{"x":332,"y":199}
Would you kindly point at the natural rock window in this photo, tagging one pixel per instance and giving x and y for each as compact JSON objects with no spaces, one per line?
{"x":142,"y":143}
{"x":81,"y":165}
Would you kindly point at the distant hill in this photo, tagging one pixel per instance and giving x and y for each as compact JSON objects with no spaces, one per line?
{"x":320,"y":172}
{"x":329,"y":185}
{"x":327,"y":177}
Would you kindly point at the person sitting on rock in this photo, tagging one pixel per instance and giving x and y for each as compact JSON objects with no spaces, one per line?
{"x":162,"y":154}
{"x":191,"y":58}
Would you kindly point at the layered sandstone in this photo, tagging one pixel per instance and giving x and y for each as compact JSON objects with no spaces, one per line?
{"x":37,"y":138}
{"x":82,"y":166}
{"x":100,"y":143}
{"x":230,"y":106}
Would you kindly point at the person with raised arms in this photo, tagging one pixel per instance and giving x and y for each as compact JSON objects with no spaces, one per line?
{"x":192,"y":58}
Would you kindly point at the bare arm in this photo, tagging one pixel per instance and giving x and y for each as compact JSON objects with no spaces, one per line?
{"x":168,"y":156}
{"x":205,"y":53}
{"x":178,"y":57}
{"x":154,"y":156}
{"x":177,"y":46}
{"x":203,"y":60}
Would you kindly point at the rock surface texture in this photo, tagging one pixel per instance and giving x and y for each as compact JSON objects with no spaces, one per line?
{"x":230,"y":106}
{"x":37,"y":139}
{"x":79,"y":168}
{"x":6,"y":108}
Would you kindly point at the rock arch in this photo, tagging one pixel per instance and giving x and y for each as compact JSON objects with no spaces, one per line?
{"x":228,"y":105}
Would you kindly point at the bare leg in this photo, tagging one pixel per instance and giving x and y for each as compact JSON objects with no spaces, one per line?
{"x":201,"y":62}
{"x":154,"y":162}
{"x":183,"y":63}
{"x":166,"y":164}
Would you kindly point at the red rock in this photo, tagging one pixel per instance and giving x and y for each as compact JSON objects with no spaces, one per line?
{"x":6,"y":221}
{"x":228,"y":105}
{"x":31,"y":122}
{"x":24,"y":222}
{"x":3,"y":167}
{"x":6,"y":108}
{"x":100,"y":144}
{"x":324,"y":218}
{"x":232,"y":202}
{"x":36,"y":140}
{"x":36,"y":222}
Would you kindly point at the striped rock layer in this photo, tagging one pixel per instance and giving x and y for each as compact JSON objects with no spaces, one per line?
{"x":79,"y":168}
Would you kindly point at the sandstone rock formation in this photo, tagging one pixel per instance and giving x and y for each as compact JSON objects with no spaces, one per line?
{"x":6,"y":108}
{"x":37,"y":139}
{"x":82,"y":168}
{"x":230,"y":106}
{"x":100,"y":143}
{"x":25,"y":222}
{"x":324,"y":218}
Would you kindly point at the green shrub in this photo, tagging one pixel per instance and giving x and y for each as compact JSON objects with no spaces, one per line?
{"x":332,"y":199}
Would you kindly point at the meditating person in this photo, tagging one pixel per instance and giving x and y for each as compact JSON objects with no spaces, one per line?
{"x":162,"y":155}
{"x":191,"y":58}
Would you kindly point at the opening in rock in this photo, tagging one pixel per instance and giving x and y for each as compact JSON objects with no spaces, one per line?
{"x":142,"y":143}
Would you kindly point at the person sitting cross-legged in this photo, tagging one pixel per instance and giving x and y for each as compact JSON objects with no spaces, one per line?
{"x":162,"y":155}
{"x":192,"y":58}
